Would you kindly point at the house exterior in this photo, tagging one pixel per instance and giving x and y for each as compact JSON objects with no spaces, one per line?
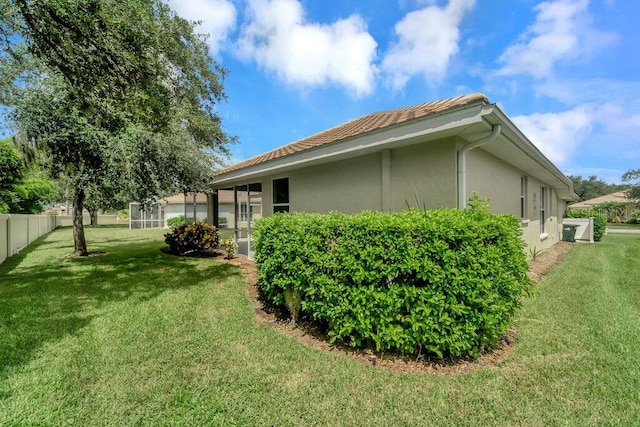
{"x":429,"y":155}
{"x":627,"y":205}
{"x":190,"y":205}
{"x":228,"y":206}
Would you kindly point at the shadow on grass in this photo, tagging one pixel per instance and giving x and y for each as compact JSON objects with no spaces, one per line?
{"x":47,"y":300}
{"x":121,"y":226}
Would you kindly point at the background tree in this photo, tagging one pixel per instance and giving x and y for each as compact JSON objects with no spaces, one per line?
{"x":24,"y":186}
{"x":632,"y":177}
{"x":11,"y":169}
{"x":34,"y":191}
{"x":121,"y":95}
{"x":593,"y":187}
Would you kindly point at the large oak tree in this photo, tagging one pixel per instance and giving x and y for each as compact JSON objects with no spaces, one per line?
{"x":121,"y":95}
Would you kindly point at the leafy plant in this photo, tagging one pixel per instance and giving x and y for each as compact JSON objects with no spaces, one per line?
{"x":613,"y":210}
{"x":634,"y":218}
{"x":176,"y":221}
{"x":198,"y":238}
{"x":534,"y":252}
{"x":446,"y":281}
{"x":230,"y":247}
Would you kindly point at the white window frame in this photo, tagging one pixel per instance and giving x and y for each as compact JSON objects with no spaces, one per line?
{"x":543,"y":208}
{"x":523,"y":197}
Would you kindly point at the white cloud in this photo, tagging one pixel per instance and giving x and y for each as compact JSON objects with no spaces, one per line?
{"x":558,"y":135}
{"x":278,"y":37}
{"x":428,"y":38}
{"x":218,"y":18}
{"x":616,"y":102}
{"x":563,"y":31}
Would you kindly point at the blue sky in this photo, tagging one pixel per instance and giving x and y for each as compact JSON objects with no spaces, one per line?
{"x":566,"y":71}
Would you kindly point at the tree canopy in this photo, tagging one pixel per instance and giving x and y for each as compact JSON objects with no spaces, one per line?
{"x":10,"y":172}
{"x":121,"y":95}
{"x":632,"y":177}
{"x":592,"y":187}
{"x":23,"y":187}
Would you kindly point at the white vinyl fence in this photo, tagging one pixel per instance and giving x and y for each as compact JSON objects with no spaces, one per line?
{"x":67,"y":220}
{"x":19,"y":231}
{"x":584,"y":230}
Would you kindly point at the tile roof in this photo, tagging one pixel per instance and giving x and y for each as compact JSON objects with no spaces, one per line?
{"x":362,"y":125}
{"x":179,"y":198}
{"x":617,"y":197}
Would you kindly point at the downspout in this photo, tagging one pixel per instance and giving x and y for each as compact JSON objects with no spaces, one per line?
{"x":462,"y":163}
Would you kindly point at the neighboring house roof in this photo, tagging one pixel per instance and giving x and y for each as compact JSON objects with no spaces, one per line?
{"x":361,"y":126}
{"x":179,"y":198}
{"x":467,"y":118}
{"x":226,"y":197}
{"x":617,"y":197}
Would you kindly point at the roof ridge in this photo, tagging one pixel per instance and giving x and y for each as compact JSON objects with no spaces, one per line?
{"x":359,"y":126}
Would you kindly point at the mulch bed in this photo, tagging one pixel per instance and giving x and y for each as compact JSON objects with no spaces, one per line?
{"x":307,"y":335}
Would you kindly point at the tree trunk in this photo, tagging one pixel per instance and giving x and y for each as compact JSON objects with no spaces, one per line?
{"x":93,"y":213}
{"x":79,"y":242}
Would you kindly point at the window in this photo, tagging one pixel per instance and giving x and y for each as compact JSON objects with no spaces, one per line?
{"x":543,"y":205}
{"x":281,"y":195}
{"x":243,"y":213}
{"x":523,"y":197}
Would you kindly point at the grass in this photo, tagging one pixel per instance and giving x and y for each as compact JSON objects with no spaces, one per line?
{"x":138,"y":337}
{"x":624,"y":225}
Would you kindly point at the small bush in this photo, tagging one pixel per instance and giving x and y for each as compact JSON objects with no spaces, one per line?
{"x":230,"y":247}
{"x":635,"y":217}
{"x":123,"y":214}
{"x":176,"y":221}
{"x":599,"y":220}
{"x":444,"y":282}
{"x":197,"y":238}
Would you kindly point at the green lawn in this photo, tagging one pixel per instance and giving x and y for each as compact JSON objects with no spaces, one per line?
{"x":138,"y":337}
{"x":624,"y":225}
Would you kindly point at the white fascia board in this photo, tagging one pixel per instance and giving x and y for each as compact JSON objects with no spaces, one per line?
{"x":429,"y":128}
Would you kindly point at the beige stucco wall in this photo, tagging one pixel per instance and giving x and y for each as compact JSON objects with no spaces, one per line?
{"x":424,"y":175}
{"x":418,"y":175}
{"x":173,"y":210}
{"x":347,"y":186}
{"x":495,"y":180}
{"x":500,"y":182}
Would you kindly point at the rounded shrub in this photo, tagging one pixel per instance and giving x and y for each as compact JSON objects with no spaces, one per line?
{"x":197,"y":238}
{"x":444,"y":282}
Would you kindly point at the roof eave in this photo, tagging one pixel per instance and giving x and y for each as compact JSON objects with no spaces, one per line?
{"x":563,"y":185}
{"x":439,"y":125}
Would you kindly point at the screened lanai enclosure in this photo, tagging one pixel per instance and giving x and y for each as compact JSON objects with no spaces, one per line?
{"x":235,"y":211}
{"x":146,"y":215}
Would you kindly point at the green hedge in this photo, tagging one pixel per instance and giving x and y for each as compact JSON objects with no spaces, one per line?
{"x":445,"y":282}
{"x":176,"y":221}
{"x":599,"y":220}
